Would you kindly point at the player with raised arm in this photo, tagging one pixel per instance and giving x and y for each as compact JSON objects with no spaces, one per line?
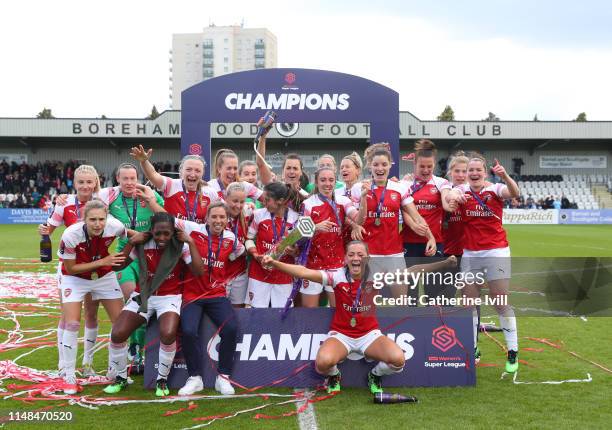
{"x":186,"y":198}
{"x":87,"y":267}
{"x":354,"y":327}
{"x":86,"y":184}
{"x":163,"y":251}
{"x":486,"y":248}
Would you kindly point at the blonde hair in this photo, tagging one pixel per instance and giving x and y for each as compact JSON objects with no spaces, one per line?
{"x":331,"y":157}
{"x":94,"y":204}
{"x":88,"y":170}
{"x":355,"y":159}
{"x":376,"y":149}
{"x":233,"y":187}
{"x":458,"y":157}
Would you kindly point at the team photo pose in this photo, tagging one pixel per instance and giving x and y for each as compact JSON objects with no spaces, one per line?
{"x":86,"y":184}
{"x":186,"y":198}
{"x":354,"y":327}
{"x":226,"y":169}
{"x":331,"y":214}
{"x":163,"y":253}
{"x":269,"y":226}
{"x":486,"y":248}
{"x":207,"y":294}
{"x":87,"y":267}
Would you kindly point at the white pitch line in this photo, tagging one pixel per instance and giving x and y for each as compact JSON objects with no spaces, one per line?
{"x":307,"y":420}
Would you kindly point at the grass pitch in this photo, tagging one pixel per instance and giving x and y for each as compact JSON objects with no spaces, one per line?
{"x":492,"y":403}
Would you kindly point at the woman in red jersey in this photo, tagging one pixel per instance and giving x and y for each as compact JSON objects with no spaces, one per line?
{"x":380,"y":203}
{"x":330,"y":213}
{"x":87,"y":267}
{"x":485,"y":250}
{"x":207,"y":294}
{"x":452,"y":229}
{"x":165,"y":301}
{"x":238,"y":224}
{"x":186,"y":198}
{"x":354,"y":327}
{"x":86,"y":184}
{"x":269,"y":226}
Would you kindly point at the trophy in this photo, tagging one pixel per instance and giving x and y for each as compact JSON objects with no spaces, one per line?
{"x":304,"y":229}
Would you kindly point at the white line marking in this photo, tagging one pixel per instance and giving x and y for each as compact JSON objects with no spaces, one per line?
{"x":307,"y":420}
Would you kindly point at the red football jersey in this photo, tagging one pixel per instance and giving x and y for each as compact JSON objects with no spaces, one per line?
{"x":68,"y":214}
{"x":174,"y":200}
{"x":214,"y":281}
{"x":172,"y":284}
{"x":262,"y":232}
{"x":428,"y":201}
{"x":239,"y":265}
{"x":483,"y":226}
{"x":345,"y":291}
{"x":75,"y":245}
{"x":383,"y":239}
{"x":327,"y":248}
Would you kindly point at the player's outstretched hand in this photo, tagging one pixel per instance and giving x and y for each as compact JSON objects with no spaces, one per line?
{"x":451,"y":262}
{"x":358,"y":232}
{"x":140,"y":154}
{"x":266,"y":260}
{"x":43,"y":229}
{"x":61,"y":199}
{"x":365,"y":187}
{"x":144,"y":192}
{"x":183,"y":237}
{"x":325,"y":226}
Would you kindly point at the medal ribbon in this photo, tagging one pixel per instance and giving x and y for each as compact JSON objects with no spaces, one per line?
{"x":483,"y":204}
{"x":191,"y":216}
{"x":414,"y":188}
{"x":210,"y":253}
{"x":334,"y":206}
{"x":89,"y":242}
{"x":283,"y":226}
{"x":127,"y":211}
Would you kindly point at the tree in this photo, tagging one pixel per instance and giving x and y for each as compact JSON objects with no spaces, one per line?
{"x":581,"y":117}
{"x":447,"y":114}
{"x":45,"y":114}
{"x":535,"y":118}
{"x":154,"y":114}
{"x":491,"y":117}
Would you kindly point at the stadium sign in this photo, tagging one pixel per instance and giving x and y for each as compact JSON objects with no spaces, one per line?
{"x":298,"y":96}
{"x":573,"y":161}
{"x":531,"y":216}
{"x":438,"y":347}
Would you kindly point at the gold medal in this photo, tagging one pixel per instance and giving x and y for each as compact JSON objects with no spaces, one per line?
{"x":94,"y":276}
{"x":377,"y":222}
{"x":353,"y":322}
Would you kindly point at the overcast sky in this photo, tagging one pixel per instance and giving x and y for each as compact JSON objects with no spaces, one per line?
{"x":514,"y":58}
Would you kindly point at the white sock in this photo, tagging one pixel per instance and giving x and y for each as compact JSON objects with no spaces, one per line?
{"x":507,"y":320}
{"x":117,"y":358}
{"x":60,"y":344}
{"x":333,"y":371}
{"x":475,"y":325}
{"x":90,"y":338}
{"x":382,"y":369}
{"x":70,"y":345}
{"x":166,"y":357}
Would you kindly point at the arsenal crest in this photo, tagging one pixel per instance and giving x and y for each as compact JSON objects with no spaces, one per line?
{"x":67,"y":292}
{"x":225,"y":244}
{"x":433,"y":190}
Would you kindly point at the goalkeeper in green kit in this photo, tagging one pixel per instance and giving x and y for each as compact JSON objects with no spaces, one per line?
{"x":127,"y":203}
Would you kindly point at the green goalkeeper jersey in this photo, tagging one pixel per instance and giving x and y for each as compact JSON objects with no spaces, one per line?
{"x":123,"y":208}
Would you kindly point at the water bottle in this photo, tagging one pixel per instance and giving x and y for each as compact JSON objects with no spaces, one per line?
{"x":383,"y":398}
{"x":46,"y":251}
{"x":268,"y":121}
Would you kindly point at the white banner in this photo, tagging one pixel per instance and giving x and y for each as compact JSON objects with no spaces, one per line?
{"x":531,"y":216}
{"x":573,"y":161}
{"x":17,"y":158}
